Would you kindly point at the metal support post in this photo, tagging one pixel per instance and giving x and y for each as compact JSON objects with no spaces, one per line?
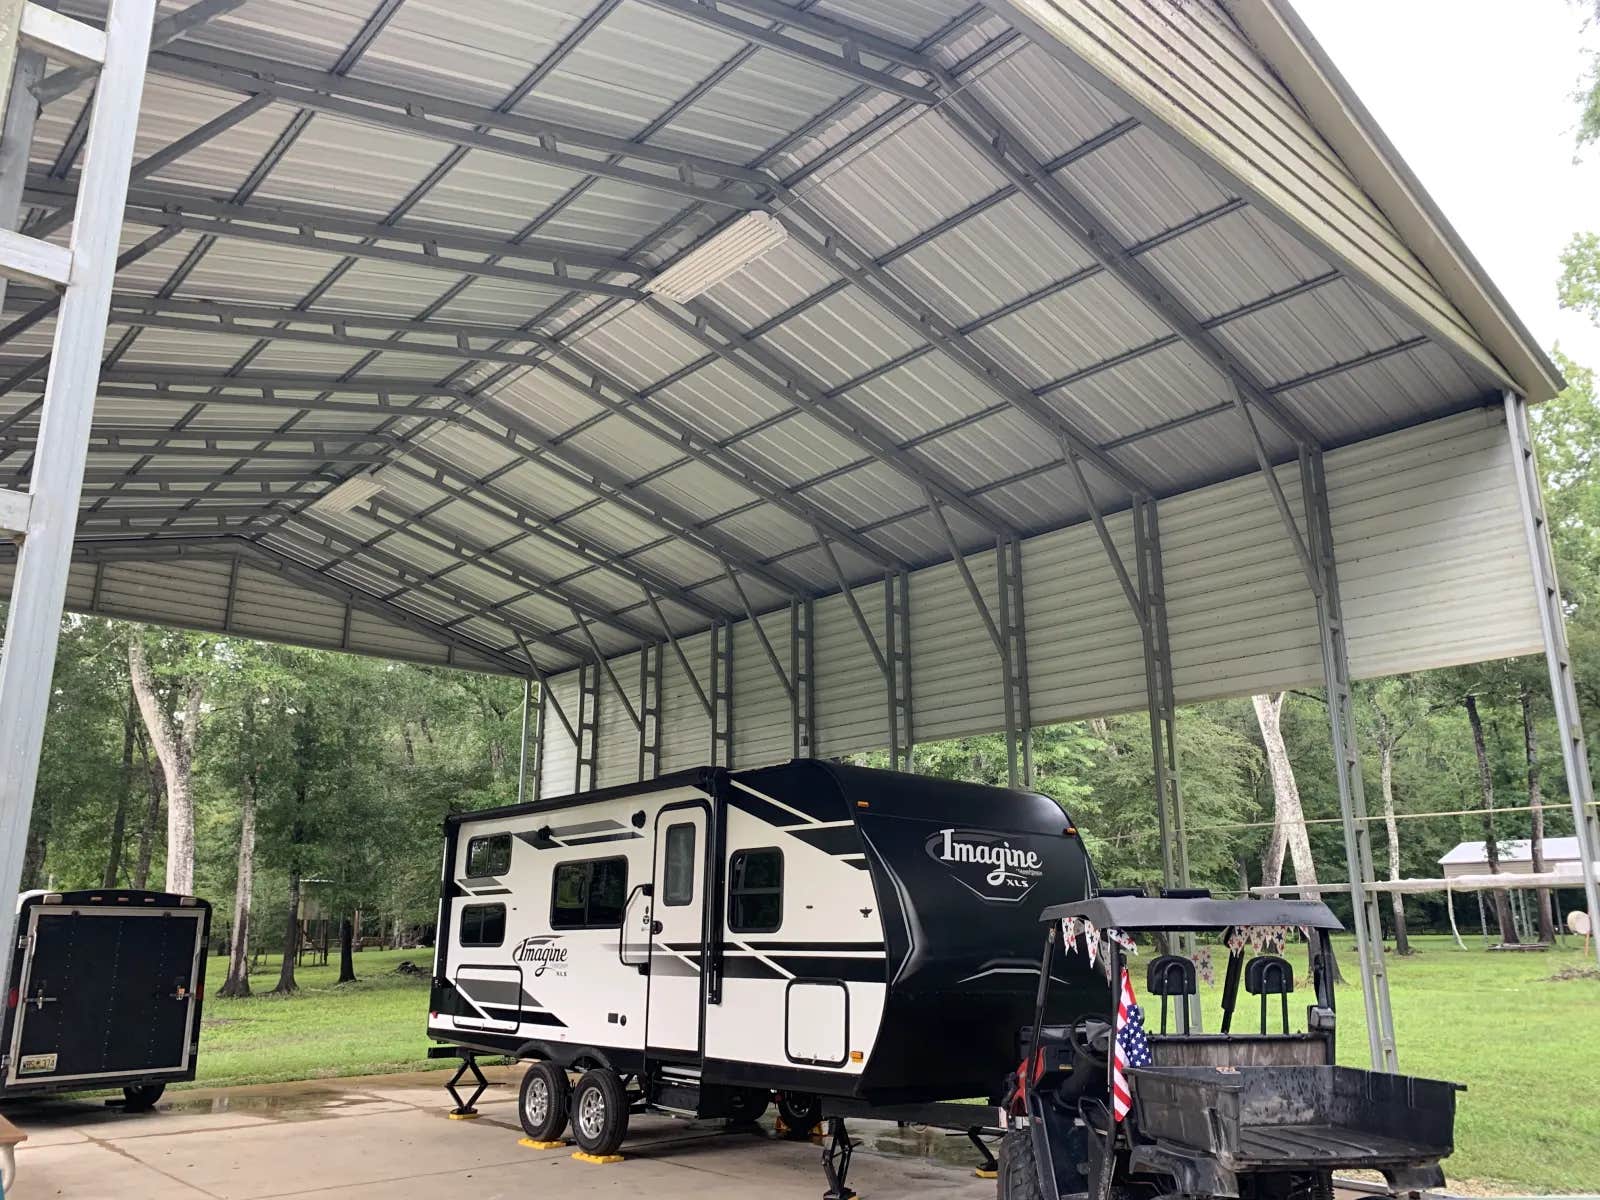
{"x":1160,"y":694}
{"x":46,"y":516}
{"x":1553,"y":627}
{"x":537,"y":792}
{"x":1014,"y":662}
{"x":722,"y":694}
{"x":650,"y":660}
{"x":522,"y":755}
{"x":1347,"y":764}
{"x":897,"y":646}
{"x":588,"y":727}
{"x":802,"y":675}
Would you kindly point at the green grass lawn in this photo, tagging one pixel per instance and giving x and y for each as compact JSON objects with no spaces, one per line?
{"x":377,"y":1025}
{"x":1528,"y":1049}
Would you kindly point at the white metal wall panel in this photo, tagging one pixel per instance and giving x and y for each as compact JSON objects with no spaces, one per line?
{"x":1085,"y":652}
{"x":955,"y":672}
{"x":1189,"y":67}
{"x":560,"y":766}
{"x":851,"y":700}
{"x":762,"y":732}
{"x":1240,"y":615}
{"x":1433,"y":567}
{"x":685,"y":728}
{"x":618,"y":747}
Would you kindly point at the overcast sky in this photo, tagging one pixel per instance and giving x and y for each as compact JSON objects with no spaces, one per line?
{"x":1478,"y":96}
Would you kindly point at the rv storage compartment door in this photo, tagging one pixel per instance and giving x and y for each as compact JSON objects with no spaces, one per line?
{"x":493,"y":998}
{"x":106,"y":992}
{"x":817,"y":1022}
{"x":677,"y":941}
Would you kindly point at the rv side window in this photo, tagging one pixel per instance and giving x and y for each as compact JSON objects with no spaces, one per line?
{"x":483,"y":924}
{"x":678,"y":887}
{"x":589,"y":894}
{"x":489,"y":856}
{"x":755,"y":891}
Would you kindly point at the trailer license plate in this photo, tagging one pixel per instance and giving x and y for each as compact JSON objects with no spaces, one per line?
{"x":36,"y":1064}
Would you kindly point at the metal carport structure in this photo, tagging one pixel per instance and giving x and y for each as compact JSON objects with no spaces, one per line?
{"x":763,"y":378}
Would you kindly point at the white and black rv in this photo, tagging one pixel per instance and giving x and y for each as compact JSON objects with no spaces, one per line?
{"x":105,"y":992}
{"x":697,"y":943}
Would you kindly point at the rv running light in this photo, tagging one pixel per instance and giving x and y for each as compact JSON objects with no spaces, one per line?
{"x":735,"y":248}
{"x":354,"y":491}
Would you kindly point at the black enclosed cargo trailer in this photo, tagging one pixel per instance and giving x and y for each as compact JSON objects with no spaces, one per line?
{"x":105,"y":992}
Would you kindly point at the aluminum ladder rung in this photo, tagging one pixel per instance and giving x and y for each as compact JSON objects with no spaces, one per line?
{"x":31,"y":260}
{"x":14,"y":510}
{"x":61,"y":37}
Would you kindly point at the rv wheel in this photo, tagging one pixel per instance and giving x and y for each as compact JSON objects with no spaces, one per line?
{"x":599,"y":1112}
{"x":800,"y":1113}
{"x":542,"y":1104}
{"x":746,"y":1105}
{"x":141,"y":1097}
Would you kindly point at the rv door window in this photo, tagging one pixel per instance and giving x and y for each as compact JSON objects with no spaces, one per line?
{"x":755,"y":891}
{"x":589,"y":894}
{"x":483,"y":924}
{"x":678,"y":887}
{"x":489,"y":856}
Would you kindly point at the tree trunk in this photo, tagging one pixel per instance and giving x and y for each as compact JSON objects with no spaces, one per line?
{"x":119,"y":821}
{"x":291,"y":940}
{"x":347,"y":945}
{"x":1547,"y":923}
{"x":152,"y":814}
{"x":238,"y":981}
{"x":1289,"y":819}
{"x":1402,"y":943}
{"x":175,"y":749}
{"x":1502,"y":905}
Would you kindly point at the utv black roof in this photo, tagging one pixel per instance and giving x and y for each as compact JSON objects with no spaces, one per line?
{"x":1160,"y":912}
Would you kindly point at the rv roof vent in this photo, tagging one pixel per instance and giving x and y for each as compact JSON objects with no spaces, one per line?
{"x":1105,"y":893}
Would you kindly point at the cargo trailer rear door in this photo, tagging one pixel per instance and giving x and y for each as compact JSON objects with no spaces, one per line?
{"x":105,"y":992}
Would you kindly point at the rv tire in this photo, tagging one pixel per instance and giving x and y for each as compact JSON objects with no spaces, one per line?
{"x":141,"y":1097}
{"x":1019,"y":1172}
{"x":599,"y":1112}
{"x":542,"y":1102}
{"x":800,"y":1113}
{"x":745,"y":1105}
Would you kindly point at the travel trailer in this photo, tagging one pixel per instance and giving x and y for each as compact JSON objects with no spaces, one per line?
{"x":700,"y":942}
{"x":105,"y":993}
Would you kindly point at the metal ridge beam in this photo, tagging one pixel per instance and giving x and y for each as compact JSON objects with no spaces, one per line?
{"x":231,"y":547}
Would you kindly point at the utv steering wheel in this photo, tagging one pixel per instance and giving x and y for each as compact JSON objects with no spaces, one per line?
{"x":1090,"y":1039}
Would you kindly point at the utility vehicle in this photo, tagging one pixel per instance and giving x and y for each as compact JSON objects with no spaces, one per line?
{"x":1259,"y":1113}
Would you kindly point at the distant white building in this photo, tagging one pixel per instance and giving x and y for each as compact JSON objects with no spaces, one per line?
{"x":1516,"y":858}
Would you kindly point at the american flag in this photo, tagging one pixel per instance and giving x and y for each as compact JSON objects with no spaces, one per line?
{"x":1132,"y":1048}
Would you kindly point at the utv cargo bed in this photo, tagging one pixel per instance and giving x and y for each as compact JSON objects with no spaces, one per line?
{"x":1293,"y":1117}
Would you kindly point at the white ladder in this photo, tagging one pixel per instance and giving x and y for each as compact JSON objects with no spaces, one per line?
{"x":43,"y":519}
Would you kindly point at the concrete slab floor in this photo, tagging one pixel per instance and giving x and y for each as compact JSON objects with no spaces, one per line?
{"x":387,"y":1136}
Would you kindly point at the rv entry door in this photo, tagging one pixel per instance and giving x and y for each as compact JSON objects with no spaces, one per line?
{"x":678,"y":930}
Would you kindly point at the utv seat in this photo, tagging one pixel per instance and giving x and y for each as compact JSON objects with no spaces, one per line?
{"x":1172,"y":975}
{"x":1268,"y":975}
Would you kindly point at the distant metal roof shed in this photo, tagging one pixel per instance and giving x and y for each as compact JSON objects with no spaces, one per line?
{"x":767,"y":378}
